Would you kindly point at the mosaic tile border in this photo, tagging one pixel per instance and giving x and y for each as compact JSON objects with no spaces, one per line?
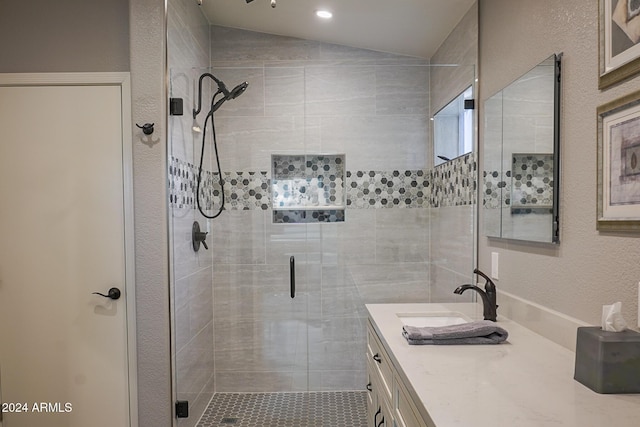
{"x":243,"y":190}
{"x":451,"y":184}
{"x":493,"y":184}
{"x":530,"y":182}
{"x":181,"y":184}
{"x":382,"y":189}
{"x":454,"y":182}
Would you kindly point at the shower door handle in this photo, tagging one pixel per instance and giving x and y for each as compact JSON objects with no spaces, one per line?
{"x":292,"y":276}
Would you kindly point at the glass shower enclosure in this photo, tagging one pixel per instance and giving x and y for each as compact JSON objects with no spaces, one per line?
{"x":330,"y":189}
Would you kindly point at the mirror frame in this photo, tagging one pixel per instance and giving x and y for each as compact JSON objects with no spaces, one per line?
{"x":555,"y":237}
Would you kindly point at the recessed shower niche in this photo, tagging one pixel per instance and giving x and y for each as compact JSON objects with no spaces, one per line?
{"x":308,"y":188}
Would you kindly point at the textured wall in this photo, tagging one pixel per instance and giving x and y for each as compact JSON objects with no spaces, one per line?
{"x":71,"y":35}
{"x":79,"y":36}
{"x":588,"y":268}
{"x":148,"y":85}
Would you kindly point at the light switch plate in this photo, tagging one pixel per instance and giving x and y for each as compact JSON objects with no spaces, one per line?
{"x":494,"y":265}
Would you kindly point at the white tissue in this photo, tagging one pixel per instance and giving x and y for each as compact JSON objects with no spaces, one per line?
{"x":612,"y":319}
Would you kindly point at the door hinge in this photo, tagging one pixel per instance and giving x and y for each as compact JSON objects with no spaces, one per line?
{"x":176,"y":106}
{"x":469,"y":104}
{"x":182,"y":409}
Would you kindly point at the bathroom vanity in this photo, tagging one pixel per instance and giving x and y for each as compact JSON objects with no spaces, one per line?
{"x":388,"y":403}
{"x":526,"y":381}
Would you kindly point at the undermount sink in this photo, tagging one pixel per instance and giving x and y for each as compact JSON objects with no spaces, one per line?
{"x":432,"y":319}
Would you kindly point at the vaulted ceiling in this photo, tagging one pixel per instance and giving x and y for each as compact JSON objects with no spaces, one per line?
{"x":408,"y":27}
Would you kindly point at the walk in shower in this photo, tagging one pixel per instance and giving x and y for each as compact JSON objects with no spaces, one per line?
{"x":329,"y":181}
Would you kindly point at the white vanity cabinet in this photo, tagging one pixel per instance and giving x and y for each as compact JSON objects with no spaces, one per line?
{"x":379,"y":412}
{"x":380,"y":375}
{"x":389,"y":402}
{"x":405,"y":410}
{"x":524,"y":382}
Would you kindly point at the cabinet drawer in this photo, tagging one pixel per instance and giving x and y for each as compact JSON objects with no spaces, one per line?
{"x":405,"y":411}
{"x":378,"y":406}
{"x":386,"y":416}
{"x":371,"y":391}
{"x":380,"y":361}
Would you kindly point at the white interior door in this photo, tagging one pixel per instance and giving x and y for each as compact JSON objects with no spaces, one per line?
{"x":64,"y":354}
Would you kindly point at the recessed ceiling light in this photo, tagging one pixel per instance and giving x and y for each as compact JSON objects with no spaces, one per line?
{"x":325,"y":14}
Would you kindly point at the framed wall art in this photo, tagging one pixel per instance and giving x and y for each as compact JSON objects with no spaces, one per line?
{"x":618,"y":199}
{"x":619,"y":41}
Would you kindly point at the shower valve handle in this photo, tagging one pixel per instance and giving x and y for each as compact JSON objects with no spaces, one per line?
{"x":201,"y":236}
{"x":198,"y":237}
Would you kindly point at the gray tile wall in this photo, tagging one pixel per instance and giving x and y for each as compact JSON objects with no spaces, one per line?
{"x":377,"y":255}
{"x":452,"y":224}
{"x":310,"y":97}
{"x":455,"y":61}
{"x":192,"y":272}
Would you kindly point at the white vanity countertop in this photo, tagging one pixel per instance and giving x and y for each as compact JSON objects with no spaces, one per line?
{"x":526,"y":381}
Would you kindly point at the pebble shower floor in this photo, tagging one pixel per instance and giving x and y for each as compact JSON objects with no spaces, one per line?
{"x":308,"y":409}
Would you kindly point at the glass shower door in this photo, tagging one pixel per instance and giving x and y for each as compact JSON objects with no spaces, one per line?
{"x":191,"y":270}
{"x":236,"y":326}
{"x":260,"y":319}
{"x":260,"y":331}
{"x":358,"y":132}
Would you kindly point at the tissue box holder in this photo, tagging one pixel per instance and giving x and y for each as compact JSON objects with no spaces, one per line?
{"x":608,"y":362}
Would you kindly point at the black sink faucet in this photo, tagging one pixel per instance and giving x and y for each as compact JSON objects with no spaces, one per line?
{"x":488,"y":296}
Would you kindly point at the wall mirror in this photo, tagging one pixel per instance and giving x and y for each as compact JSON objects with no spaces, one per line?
{"x":522,"y":157}
{"x":453,"y":128}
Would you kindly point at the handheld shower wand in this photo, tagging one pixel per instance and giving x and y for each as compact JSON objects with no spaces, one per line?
{"x":226,"y":95}
{"x":222,"y":89}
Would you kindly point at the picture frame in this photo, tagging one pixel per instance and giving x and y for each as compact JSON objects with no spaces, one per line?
{"x":618,"y":171}
{"x":619,"y":47}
